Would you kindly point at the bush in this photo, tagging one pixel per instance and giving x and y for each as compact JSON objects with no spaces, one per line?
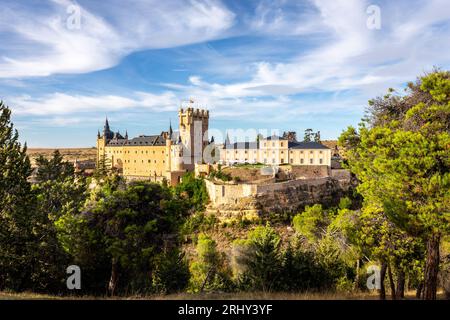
{"x":171,"y":273}
{"x":195,"y":189}
{"x":260,"y":259}
{"x":311,"y":223}
{"x":209,"y":271}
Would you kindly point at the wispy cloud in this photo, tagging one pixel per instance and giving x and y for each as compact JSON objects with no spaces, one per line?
{"x":100,"y":41}
{"x":64,"y":104}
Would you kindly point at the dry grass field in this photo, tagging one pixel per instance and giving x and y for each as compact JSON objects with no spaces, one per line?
{"x":410,"y":295}
{"x":70,"y":154}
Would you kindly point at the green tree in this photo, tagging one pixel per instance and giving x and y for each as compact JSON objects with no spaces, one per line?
{"x":401,"y":156}
{"x":308,"y":135}
{"x":29,"y":253}
{"x":54,"y":169}
{"x":129,"y":226}
{"x":209,"y":271}
{"x":171,"y":273}
{"x":312,"y":222}
{"x":194,"y":189}
{"x":15,"y":199}
{"x":261,"y":259}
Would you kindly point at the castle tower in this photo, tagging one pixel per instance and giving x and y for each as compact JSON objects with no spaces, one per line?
{"x":193,"y":133}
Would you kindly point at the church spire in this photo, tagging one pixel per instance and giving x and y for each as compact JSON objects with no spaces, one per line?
{"x":106,"y":124}
{"x":170,"y":129}
{"x":227,"y":140}
{"x":126,"y":134}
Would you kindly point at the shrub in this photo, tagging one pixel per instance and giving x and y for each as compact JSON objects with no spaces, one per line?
{"x":260,"y":259}
{"x":171,"y":273}
{"x":209,"y":271}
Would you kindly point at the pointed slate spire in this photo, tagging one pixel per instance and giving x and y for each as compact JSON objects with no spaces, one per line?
{"x":212,"y":139}
{"x":227,"y":140}
{"x":170,"y":129}
{"x":98,"y":134}
{"x":126,"y":134}
{"x":106,"y":124}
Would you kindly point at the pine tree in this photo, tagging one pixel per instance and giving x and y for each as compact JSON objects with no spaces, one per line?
{"x":54,"y":168}
{"x":15,"y":199}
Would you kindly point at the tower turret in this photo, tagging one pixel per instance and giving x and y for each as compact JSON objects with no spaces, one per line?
{"x":193,"y":132}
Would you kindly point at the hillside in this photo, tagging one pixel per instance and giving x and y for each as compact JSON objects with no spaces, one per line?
{"x":69,"y":154}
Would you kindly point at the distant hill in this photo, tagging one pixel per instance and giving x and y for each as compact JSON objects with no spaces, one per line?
{"x":69,"y":154}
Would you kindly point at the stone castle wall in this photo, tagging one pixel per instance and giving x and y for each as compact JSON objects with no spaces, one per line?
{"x":234,"y":198}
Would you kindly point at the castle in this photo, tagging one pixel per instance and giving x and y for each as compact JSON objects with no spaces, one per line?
{"x":170,"y":154}
{"x":166,"y":156}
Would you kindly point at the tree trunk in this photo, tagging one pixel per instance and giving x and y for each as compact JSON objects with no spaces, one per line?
{"x":391,"y":282}
{"x":419,"y":290}
{"x":431,"y":268}
{"x":356,"y":283}
{"x":114,"y":277}
{"x":400,"y":293}
{"x":382,"y":277}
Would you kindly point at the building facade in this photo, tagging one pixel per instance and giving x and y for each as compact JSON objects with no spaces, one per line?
{"x":166,"y":156}
{"x":275,"y":150}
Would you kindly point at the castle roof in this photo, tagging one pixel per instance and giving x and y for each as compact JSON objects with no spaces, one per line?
{"x":274,"y":137}
{"x":154,"y":140}
{"x":306,"y":145}
{"x":242,"y":145}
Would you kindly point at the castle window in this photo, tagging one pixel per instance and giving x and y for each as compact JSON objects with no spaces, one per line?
{"x":282,"y":160}
{"x":311,"y":161}
{"x":320,"y":151}
{"x":273,"y":144}
{"x":301,"y":161}
{"x":311,"y":152}
{"x":292,"y":160}
{"x":281,"y":143}
{"x":320,"y":160}
{"x":149,"y":161}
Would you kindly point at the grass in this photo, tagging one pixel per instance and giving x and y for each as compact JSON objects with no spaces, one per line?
{"x":410,"y":295}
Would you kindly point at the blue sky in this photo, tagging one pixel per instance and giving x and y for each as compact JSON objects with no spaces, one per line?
{"x":275,"y":65}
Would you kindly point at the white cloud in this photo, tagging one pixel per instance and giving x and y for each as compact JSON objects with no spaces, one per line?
{"x":41,"y":45}
{"x":63,"y":104}
{"x":351,"y":57}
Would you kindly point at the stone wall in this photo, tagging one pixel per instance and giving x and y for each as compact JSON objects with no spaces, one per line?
{"x":292,"y":196}
{"x":233,"y":198}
